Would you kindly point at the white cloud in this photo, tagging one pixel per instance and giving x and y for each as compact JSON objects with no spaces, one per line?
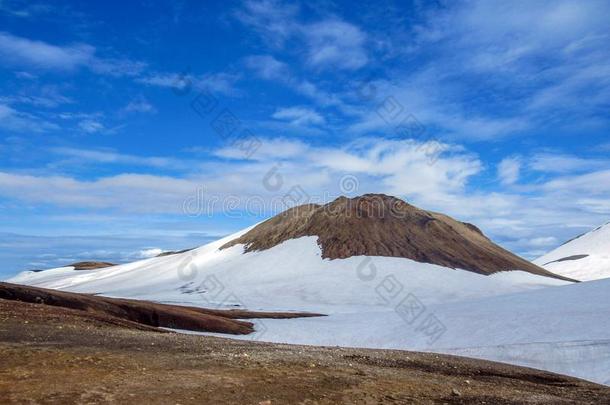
{"x":79,"y":115}
{"x":217,"y":82}
{"x":18,"y":121}
{"x":148,"y":253}
{"x":139,"y":105}
{"x":509,"y":170}
{"x":300,"y":116}
{"x":404,"y":167}
{"x":512,"y":32}
{"x":24,"y":52}
{"x":397,"y":167}
{"x":21,"y":10}
{"x":73,"y":240}
{"x":502,"y":47}
{"x":39,"y":54}
{"x":429,"y":97}
{"x":543,"y":241}
{"x":274,"y":20}
{"x":222,"y":82}
{"x":83,"y":156}
{"x":529,"y":220}
{"x":561,"y":163}
{"x":331,"y":43}
{"x":172,"y":80}
{"x":91,"y":126}
{"x":318,"y":95}
{"x":591,"y":184}
{"x":524,"y":220}
{"x":596,"y":205}
{"x":335,"y":44}
{"x":127,"y":192}
{"x":394,"y":166}
{"x":25,"y":75}
{"x":267,"y":67}
{"x":44,"y":96}
{"x":116,"y":67}
{"x":269,"y":150}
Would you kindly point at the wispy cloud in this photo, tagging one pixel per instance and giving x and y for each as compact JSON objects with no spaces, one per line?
{"x":330,"y":43}
{"x":299,"y":116}
{"x":30,"y":10}
{"x":377,"y":161}
{"x":91,"y":126}
{"x":88,"y":156}
{"x":40,"y":55}
{"x":272,"y":149}
{"x":47,"y":96}
{"x":19,"y":121}
{"x":335,"y":44}
{"x":549,"y":208}
{"x":547,"y":60}
{"x":74,"y":241}
{"x":25,"y":75}
{"x":23,"y":10}
{"x":563,"y":163}
{"x":431,"y":96}
{"x":526,"y":85}
{"x":139,"y":105}
{"x":272,"y":19}
{"x":80,"y":115}
{"x":509,"y":170}
{"x":222,"y":82}
{"x":595,"y":183}
{"x":267,"y":67}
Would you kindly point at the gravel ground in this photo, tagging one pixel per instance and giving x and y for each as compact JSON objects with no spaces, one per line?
{"x":58,"y":355}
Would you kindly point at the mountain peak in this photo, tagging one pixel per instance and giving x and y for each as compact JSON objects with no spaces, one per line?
{"x":584,"y":257}
{"x":383,"y":225}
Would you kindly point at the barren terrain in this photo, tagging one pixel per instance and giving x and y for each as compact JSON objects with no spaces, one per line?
{"x":60,"y":355}
{"x":122,"y":311}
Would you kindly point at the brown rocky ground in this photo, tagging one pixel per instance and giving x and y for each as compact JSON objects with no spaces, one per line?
{"x":120,"y":310}
{"x":382,"y":225}
{"x":59,"y":355}
{"x":90,"y":265}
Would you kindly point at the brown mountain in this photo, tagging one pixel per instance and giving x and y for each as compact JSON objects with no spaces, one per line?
{"x":381,"y":225}
{"x":91,"y":265}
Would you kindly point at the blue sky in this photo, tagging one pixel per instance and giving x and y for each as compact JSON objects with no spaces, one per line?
{"x":134,"y":127}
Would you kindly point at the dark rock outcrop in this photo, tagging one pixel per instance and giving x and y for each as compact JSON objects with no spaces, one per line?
{"x":90,"y":265}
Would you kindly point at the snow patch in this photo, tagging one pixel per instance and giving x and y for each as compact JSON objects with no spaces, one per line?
{"x":584,"y":258}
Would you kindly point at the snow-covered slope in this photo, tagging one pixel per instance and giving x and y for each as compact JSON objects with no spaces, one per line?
{"x":382,"y":302}
{"x":289,"y":276}
{"x":586,"y":257}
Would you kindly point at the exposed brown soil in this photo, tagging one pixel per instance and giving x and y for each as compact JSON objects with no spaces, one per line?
{"x":58,"y":355}
{"x":381,"y":225}
{"x":90,"y":265}
{"x":145,"y":312}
